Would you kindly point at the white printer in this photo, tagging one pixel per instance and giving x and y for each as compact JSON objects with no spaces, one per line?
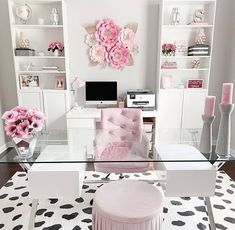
{"x":141,"y":98}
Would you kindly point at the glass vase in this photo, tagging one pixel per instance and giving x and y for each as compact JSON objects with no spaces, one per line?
{"x":24,"y":146}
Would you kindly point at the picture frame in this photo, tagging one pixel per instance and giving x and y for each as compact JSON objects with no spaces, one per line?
{"x":167,"y":81}
{"x":195,"y":84}
{"x":181,"y":48}
{"x":60,"y":83}
{"x":28,"y":81}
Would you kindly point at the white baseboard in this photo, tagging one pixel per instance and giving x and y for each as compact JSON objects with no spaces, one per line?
{"x":3,"y":148}
{"x":232,"y":152}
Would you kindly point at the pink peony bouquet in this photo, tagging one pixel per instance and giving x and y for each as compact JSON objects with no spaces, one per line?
{"x":23,"y":122}
{"x":56,"y":46}
{"x":168,"y":49}
{"x":109,"y":44}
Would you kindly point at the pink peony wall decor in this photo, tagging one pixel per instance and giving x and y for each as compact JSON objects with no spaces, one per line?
{"x":110,"y":45}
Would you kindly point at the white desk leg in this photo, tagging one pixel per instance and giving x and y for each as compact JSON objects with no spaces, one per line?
{"x":33,"y":214}
{"x":210,"y":213}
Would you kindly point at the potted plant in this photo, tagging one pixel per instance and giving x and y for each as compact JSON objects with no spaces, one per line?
{"x":56,"y":47}
{"x":168,"y":49}
{"x":22,"y":124}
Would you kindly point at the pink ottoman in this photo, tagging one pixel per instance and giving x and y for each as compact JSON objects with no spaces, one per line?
{"x":127,"y":205}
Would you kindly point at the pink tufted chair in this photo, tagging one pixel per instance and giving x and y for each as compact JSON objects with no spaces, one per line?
{"x":121,"y":139}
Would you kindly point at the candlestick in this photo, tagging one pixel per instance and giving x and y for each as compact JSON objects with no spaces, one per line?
{"x":227,"y":93}
{"x":209,"y":106}
{"x":224,"y":134}
{"x":206,"y":136}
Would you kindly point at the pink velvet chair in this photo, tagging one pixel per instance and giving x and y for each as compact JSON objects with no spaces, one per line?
{"x":121,"y":139}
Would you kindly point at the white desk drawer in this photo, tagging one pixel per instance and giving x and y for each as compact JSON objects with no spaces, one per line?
{"x":80,"y":123}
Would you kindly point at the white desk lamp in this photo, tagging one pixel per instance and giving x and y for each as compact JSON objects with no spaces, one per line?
{"x":75,"y":85}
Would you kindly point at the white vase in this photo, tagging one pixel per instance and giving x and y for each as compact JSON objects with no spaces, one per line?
{"x":56,"y":53}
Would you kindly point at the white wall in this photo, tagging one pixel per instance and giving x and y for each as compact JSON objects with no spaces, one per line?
{"x":2,"y":136}
{"x":231,"y":76}
{"x":8,"y":98}
{"x":144,"y":12}
{"x":220,"y":68}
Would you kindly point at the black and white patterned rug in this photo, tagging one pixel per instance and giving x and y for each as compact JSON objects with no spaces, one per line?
{"x":179,"y":213}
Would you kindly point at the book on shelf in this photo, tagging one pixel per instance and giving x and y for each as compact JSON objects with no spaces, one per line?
{"x":199,"y":50}
{"x":50,"y":68}
{"x":199,"y":53}
{"x":169,"y":65}
{"x":199,"y":47}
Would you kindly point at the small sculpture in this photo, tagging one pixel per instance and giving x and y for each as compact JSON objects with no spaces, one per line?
{"x":24,"y":13}
{"x":54,"y":17}
{"x":195,"y":64}
{"x":199,"y":16}
{"x":175,"y":17}
{"x":23,"y":41}
{"x":200,"y":38}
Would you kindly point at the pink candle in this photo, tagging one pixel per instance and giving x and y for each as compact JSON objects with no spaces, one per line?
{"x":227,"y":93}
{"x":209,"y":106}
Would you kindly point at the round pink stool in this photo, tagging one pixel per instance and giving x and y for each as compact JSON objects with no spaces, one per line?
{"x":127,"y":205}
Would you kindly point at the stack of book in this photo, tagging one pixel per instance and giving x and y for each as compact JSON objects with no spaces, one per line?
{"x":199,"y":50}
{"x":24,"y":52}
{"x":169,"y":65}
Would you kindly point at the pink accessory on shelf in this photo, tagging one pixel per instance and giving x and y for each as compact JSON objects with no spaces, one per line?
{"x":209,"y":106}
{"x":227,"y":93}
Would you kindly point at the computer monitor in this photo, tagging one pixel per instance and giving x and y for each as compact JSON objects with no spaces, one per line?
{"x":101,"y":92}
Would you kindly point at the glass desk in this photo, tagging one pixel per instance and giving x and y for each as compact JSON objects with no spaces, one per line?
{"x":63,"y":154}
{"x":78,"y":145}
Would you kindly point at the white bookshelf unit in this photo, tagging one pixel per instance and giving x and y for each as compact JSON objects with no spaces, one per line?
{"x":39,"y":36}
{"x":179,"y":106}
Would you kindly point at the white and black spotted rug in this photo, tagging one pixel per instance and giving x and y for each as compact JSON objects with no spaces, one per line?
{"x":179,"y":213}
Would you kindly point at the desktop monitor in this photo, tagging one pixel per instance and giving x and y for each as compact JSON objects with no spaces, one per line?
{"x":101,"y":92}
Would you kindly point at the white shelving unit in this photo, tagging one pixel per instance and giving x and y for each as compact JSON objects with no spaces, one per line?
{"x":40,"y":36}
{"x":177,"y":107}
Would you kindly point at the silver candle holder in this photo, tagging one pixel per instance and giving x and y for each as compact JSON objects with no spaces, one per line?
{"x":224,"y":134}
{"x":206,"y":136}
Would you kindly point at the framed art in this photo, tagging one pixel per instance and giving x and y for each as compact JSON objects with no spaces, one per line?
{"x":181,"y":48}
{"x":167,"y":81}
{"x":195,"y":83}
{"x":28,"y":81}
{"x":60,"y":83}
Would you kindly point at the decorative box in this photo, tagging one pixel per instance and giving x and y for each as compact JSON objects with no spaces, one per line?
{"x":24,"y":52}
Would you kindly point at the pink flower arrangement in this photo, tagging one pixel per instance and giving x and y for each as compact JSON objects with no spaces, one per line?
{"x":56,"y":46}
{"x":118,"y":56}
{"x":168,"y":49}
{"x":111,"y":45}
{"x":107,"y":32}
{"x":23,"y":122}
{"x":97,"y":53}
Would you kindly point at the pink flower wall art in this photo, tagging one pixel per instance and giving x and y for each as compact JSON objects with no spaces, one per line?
{"x":110,"y":45}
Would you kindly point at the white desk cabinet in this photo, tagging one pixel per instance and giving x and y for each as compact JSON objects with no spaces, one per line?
{"x":55,"y":109}
{"x":170,"y":107}
{"x":193,"y":106}
{"x":31,"y":98}
{"x":51,"y":102}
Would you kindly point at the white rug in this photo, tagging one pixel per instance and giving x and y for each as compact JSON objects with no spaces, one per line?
{"x":179,"y":213}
